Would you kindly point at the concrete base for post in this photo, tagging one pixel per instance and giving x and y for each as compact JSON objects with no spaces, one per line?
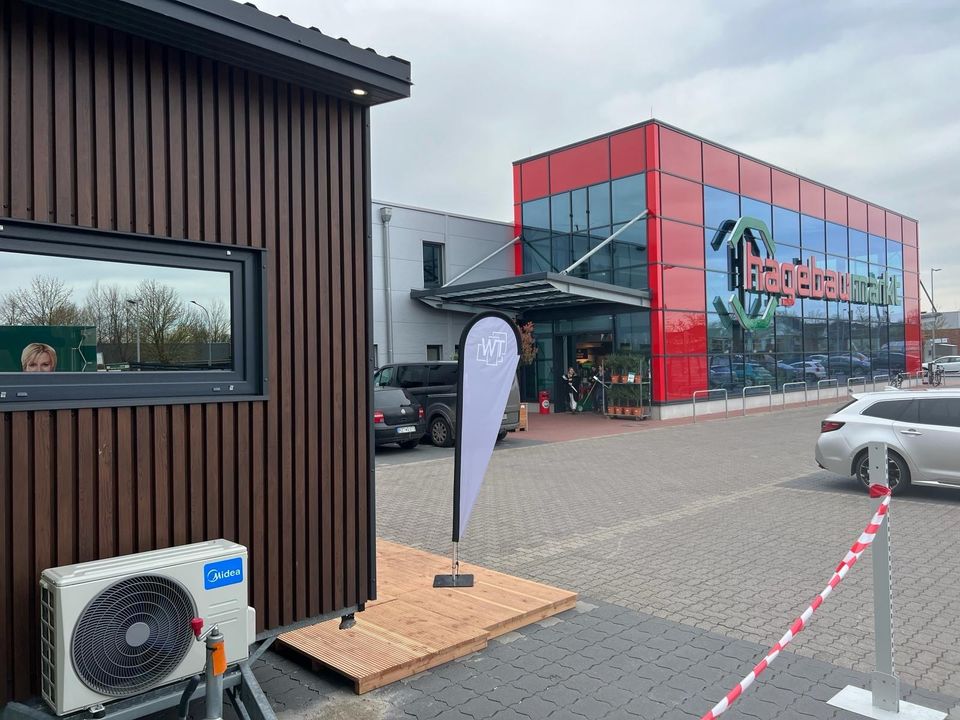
{"x":860,"y":701}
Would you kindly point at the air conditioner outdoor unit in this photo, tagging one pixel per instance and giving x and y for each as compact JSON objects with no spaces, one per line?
{"x":114,"y":628}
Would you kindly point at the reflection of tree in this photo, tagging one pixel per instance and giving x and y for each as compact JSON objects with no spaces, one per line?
{"x":106,"y":308}
{"x":171,"y":330}
{"x":163,"y":319}
{"x":46,"y":301}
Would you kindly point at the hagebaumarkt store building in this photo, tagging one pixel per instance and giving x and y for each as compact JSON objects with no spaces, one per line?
{"x":738,"y":273}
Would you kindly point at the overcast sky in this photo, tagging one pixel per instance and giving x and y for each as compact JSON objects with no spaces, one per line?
{"x":863,"y":95}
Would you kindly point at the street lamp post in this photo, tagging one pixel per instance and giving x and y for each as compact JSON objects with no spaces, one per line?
{"x":934,"y":313}
{"x":136,"y":303}
{"x":209,"y":333}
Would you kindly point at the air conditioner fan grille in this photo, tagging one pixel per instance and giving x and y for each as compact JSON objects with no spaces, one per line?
{"x":132,"y":635}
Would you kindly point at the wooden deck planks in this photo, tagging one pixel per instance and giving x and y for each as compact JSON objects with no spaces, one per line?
{"x":414,"y":626}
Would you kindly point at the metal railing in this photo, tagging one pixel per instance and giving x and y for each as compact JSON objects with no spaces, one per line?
{"x":884,"y":376}
{"x":826,"y":382}
{"x":768,"y":388}
{"x":726,"y":401}
{"x":801,"y":383}
{"x":856,"y":381}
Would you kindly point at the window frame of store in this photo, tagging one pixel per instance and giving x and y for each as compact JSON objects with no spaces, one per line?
{"x":437,"y":262}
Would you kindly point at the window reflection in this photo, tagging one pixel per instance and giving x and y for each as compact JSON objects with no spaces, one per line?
{"x":629,"y":197}
{"x":60,"y":314}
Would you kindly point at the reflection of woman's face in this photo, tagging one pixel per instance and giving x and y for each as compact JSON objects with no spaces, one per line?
{"x":42,"y":362}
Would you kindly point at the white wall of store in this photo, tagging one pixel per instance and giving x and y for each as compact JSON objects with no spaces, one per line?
{"x":466,"y":240}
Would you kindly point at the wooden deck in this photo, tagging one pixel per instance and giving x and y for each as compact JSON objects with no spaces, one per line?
{"x":413,"y":626}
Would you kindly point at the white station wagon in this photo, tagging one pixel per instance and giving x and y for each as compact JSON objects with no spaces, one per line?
{"x":921,"y":429}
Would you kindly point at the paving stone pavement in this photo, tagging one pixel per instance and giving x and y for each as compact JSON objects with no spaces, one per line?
{"x":727,"y":526}
{"x":597,"y":661}
{"x":695,"y":547}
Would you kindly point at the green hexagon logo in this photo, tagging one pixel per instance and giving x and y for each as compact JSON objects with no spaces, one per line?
{"x":760,"y":314}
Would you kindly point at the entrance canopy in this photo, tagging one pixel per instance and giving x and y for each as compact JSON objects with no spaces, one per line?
{"x":536,"y":291}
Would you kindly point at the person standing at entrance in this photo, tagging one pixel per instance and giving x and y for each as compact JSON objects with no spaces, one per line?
{"x":570,"y":378}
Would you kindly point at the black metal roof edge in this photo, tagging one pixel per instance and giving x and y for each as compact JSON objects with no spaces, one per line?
{"x":714,"y":143}
{"x":241,"y":34}
{"x":531,"y":277}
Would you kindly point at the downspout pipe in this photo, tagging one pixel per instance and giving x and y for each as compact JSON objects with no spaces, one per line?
{"x":386,"y":214}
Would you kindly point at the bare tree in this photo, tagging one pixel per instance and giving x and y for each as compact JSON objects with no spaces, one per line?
{"x":106,"y":308}
{"x":46,"y":301}
{"x":9,"y":310}
{"x":162,"y":318}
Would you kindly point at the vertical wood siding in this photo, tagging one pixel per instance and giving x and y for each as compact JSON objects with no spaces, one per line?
{"x":104,"y":130}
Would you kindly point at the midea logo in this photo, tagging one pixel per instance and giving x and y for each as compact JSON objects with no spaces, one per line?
{"x":215,"y":576}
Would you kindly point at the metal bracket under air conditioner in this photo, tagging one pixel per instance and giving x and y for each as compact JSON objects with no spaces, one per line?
{"x":239,"y":683}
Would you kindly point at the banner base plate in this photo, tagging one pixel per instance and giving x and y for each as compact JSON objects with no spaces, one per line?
{"x":445,"y":581}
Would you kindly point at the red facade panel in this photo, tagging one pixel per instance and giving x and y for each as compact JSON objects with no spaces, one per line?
{"x":580,"y":166}
{"x":721,"y":168}
{"x":857,"y":214}
{"x":876,"y":221}
{"x":894,"y":227}
{"x":680,"y":154}
{"x":909,"y":232}
{"x":516,"y":183}
{"x":628,"y":154}
{"x":681,"y":244}
{"x":911,"y":285}
{"x":811,"y":199}
{"x":835,"y":207}
{"x":681,"y":199}
{"x":683,"y":289}
{"x":685,"y":333}
{"x":911,"y":315}
{"x":685,"y":375}
{"x":534,"y":179}
{"x":786,"y":190}
{"x":911,"y":260}
{"x":755,"y":180}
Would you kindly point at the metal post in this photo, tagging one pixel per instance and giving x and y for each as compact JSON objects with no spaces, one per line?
{"x":603,"y":244}
{"x":214,"y":689}
{"x":481,"y":262}
{"x":883,"y":701}
{"x":209,"y":333}
{"x":883,"y":682}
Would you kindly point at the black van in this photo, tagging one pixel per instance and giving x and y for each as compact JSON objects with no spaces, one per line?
{"x":434,"y":386}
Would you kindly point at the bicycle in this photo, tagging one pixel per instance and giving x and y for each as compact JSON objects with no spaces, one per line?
{"x":898,"y":380}
{"x":936,"y":379}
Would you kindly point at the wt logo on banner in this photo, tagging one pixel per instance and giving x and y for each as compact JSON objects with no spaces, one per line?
{"x":492,"y":350}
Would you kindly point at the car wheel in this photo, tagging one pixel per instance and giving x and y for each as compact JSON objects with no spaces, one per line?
{"x":501,"y":435}
{"x":409,"y":444}
{"x":441,"y":434}
{"x":898,"y":473}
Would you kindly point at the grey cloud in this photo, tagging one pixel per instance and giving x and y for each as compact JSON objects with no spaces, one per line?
{"x":860,"y":95}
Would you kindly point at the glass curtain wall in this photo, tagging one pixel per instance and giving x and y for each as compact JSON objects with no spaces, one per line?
{"x":561,"y":228}
{"x":845,"y":340}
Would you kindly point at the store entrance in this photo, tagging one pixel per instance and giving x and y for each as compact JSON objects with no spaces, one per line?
{"x":584,"y":353}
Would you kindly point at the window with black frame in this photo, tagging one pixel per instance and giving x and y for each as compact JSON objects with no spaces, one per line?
{"x":432,"y":265}
{"x":89,"y":317}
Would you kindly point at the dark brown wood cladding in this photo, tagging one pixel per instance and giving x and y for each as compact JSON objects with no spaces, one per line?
{"x":105,"y":130}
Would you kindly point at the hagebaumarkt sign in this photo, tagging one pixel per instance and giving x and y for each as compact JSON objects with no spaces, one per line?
{"x":780,"y":283}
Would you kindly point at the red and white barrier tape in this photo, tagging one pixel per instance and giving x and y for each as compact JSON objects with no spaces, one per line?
{"x":849,"y":560}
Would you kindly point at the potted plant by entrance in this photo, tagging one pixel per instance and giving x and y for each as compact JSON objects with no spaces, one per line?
{"x":614,"y":363}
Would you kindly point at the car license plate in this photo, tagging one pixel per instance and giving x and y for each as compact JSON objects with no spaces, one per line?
{"x":406,"y":429}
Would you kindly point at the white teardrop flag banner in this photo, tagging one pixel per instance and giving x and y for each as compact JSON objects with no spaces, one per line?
{"x":489,"y":354}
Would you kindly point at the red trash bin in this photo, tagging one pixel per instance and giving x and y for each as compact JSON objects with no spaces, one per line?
{"x":544,"y":402}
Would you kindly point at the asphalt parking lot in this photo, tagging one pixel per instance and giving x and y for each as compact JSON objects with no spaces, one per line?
{"x":726,"y":526}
